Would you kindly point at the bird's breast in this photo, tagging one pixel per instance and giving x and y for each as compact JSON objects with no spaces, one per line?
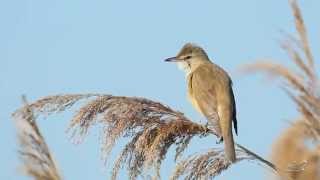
{"x":190,"y":94}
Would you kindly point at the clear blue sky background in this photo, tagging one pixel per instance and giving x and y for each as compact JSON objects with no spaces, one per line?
{"x":118,"y":47}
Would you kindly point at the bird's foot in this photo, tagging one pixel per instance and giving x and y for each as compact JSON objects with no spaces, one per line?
{"x":207,"y":129}
{"x":220,"y":139}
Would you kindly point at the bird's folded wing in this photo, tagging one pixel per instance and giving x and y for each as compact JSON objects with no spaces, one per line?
{"x":204,"y":85}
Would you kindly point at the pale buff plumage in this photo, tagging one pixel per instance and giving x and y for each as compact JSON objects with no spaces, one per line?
{"x":210,"y":92}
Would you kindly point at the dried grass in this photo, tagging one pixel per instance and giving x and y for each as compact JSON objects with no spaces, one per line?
{"x":302,"y":86}
{"x":202,"y":166}
{"x":210,"y":164}
{"x":292,"y":152}
{"x":152,"y":128}
{"x":302,"y":33}
{"x":55,"y":104}
{"x":34,"y":152}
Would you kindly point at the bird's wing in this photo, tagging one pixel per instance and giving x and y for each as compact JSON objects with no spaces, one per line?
{"x":234,"y":113}
{"x":204,"y":92}
{"x":213,"y":92}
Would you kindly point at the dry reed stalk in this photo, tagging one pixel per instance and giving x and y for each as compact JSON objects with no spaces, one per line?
{"x":152,"y":127}
{"x":302,"y":87}
{"x":34,"y":152}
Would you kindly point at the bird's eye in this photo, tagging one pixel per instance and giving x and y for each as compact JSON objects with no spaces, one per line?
{"x":187,"y":57}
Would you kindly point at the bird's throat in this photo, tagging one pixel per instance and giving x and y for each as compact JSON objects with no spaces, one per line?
{"x":185,"y":67}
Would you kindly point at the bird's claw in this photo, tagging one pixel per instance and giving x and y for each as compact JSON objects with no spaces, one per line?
{"x":206,"y":127}
{"x":220,"y":139}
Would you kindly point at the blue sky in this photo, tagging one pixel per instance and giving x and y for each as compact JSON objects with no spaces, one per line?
{"x":118,"y":47}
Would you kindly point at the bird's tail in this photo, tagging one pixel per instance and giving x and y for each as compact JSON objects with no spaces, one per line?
{"x":229,"y":147}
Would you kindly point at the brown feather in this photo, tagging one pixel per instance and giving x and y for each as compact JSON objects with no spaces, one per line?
{"x":210,"y":92}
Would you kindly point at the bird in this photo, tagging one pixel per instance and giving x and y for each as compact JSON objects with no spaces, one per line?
{"x":209,"y":89}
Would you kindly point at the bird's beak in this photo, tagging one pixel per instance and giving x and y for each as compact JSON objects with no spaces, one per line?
{"x":172,"y":59}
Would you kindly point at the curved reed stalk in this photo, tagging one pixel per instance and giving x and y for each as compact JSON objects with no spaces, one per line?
{"x":34,"y":152}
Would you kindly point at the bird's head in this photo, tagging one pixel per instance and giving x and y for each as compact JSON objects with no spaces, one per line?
{"x":189,"y":57}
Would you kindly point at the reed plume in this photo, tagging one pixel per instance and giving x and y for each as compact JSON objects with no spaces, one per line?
{"x":151,"y":126}
{"x":290,"y":151}
{"x":34,"y":152}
